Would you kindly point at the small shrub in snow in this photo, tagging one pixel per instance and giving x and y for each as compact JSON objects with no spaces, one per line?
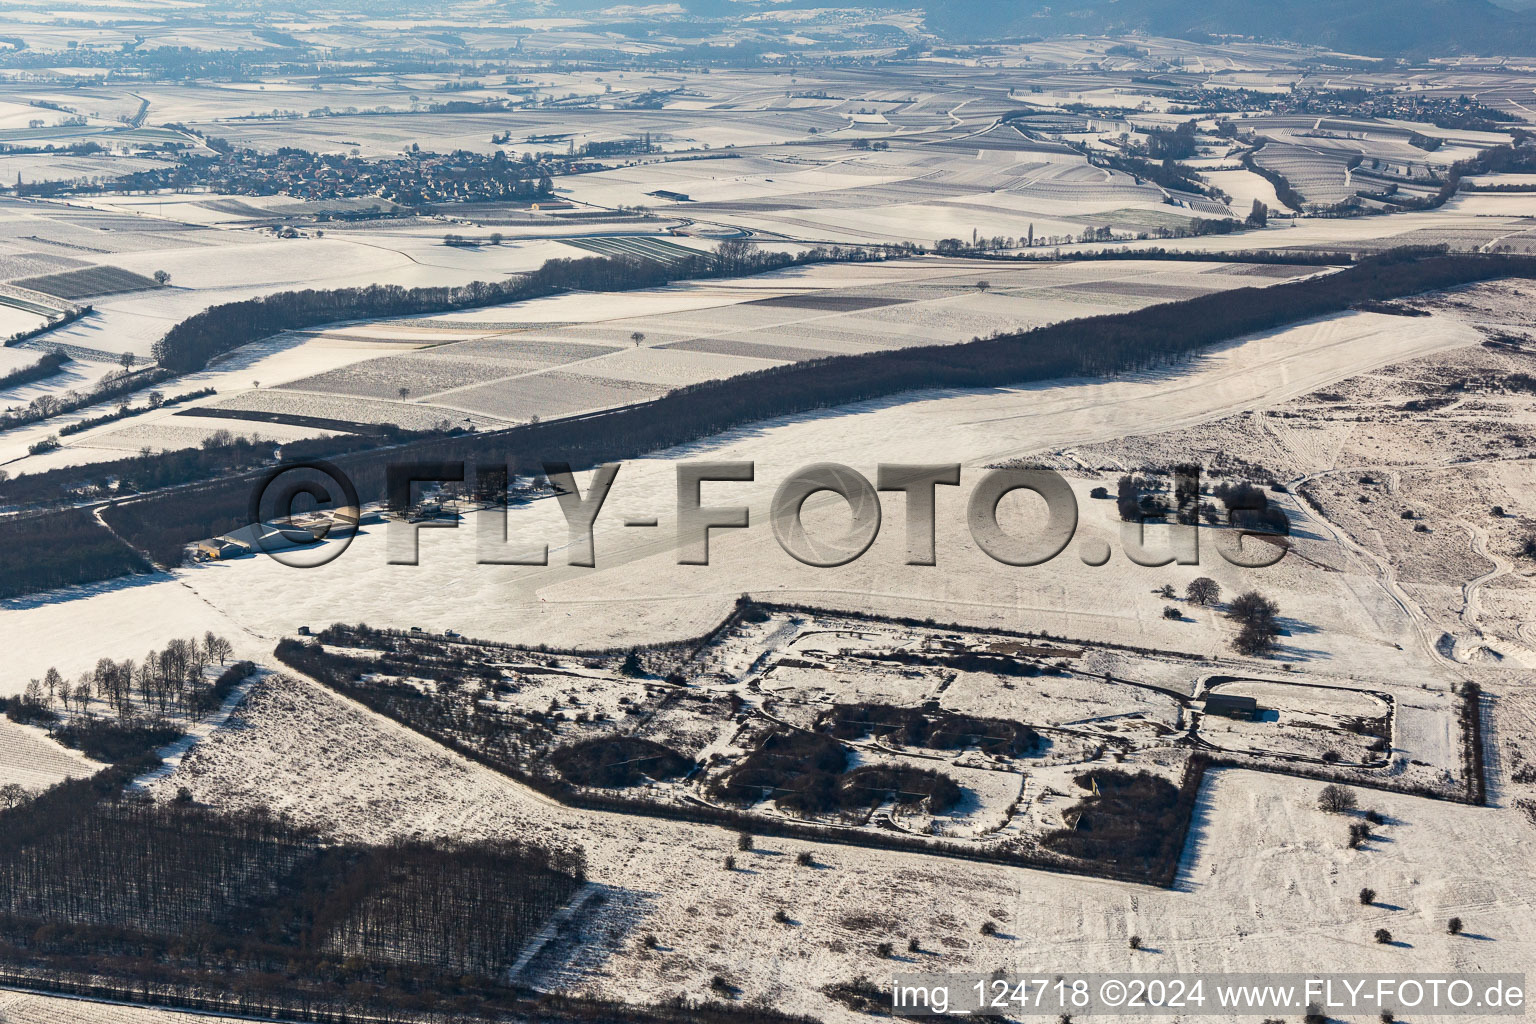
{"x":1336,"y":799}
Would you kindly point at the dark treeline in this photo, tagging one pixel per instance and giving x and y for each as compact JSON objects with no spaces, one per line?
{"x":118,"y":709}
{"x":107,"y":895}
{"x":192,"y":343}
{"x":217,"y":457}
{"x":1093,"y":346}
{"x":1276,"y":257}
{"x":105,"y":739}
{"x":1167,"y":173}
{"x":61,"y":549}
{"x":137,"y":866}
{"x":1470,"y":713}
{"x":50,"y":364}
{"x":124,"y":411}
{"x":615,"y":761}
{"x":508,"y":743}
{"x":116,"y":384}
{"x":181,"y":897}
{"x":1467,"y":186}
{"x":212,"y":697}
{"x":1249,"y":508}
{"x":1516,"y":158}
{"x":1283,"y":190}
{"x":175,"y":678}
{"x":69,"y":316}
{"x":1176,"y":144}
{"x":1138,"y":498}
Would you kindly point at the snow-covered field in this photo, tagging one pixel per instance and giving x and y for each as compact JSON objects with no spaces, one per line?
{"x":125,"y":618}
{"x":637,"y":570}
{"x":1408,"y":471}
{"x":1409,"y":503}
{"x":994,"y":181}
{"x":28,"y":1008}
{"x":31,"y":760}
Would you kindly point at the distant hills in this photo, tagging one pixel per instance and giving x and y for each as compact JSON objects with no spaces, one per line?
{"x":1373,"y":27}
{"x":1377,"y":28}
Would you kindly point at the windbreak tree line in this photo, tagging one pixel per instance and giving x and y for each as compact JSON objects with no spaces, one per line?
{"x":191,"y":344}
{"x":46,"y":367}
{"x":149,"y":471}
{"x":1094,"y":346}
{"x":1518,"y":157}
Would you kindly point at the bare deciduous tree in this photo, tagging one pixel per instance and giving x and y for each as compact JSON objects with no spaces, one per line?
{"x":1336,"y":799}
{"x":1202,"y":590}
{"x":217,"y":646}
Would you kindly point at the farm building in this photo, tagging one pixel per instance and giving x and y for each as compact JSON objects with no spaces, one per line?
{"x":258,"y":537}
{"x":1231,"y":705}
{"x":676,"y":197}
{"x":221,"y":548}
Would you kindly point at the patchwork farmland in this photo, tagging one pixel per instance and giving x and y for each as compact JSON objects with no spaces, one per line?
{"x":1265,"y":708}
{"x":88,"y":283}
{"x":639,"y":246}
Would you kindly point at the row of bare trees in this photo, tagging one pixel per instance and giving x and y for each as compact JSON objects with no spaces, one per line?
{"x":165,"y":680}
